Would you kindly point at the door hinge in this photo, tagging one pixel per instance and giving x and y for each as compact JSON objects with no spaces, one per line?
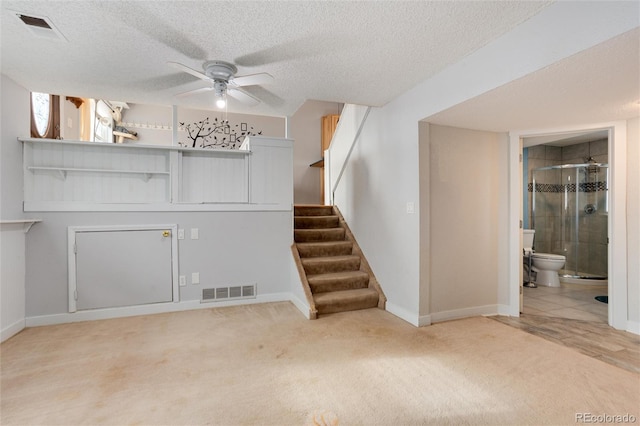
{"x":75,"y":294}
{"x":520,"y":223}
{"x":521,"y":158}
{"x":75,"y":248}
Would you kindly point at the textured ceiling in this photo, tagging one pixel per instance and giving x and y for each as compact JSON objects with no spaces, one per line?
{"x":597,"y":85}
{"x":346,"y":51}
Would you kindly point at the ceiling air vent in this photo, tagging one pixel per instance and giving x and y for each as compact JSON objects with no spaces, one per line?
{"x":40,"y":26}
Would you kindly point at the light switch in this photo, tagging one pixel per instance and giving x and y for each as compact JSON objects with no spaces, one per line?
{"x":195,"y":278}
{"x":181,"y":234}
{"x":195,"y":234}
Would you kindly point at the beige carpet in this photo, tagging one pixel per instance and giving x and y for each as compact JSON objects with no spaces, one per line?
{"x":268,"y":365}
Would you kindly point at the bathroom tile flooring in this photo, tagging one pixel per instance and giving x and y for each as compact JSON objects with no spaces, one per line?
{"x":573,"y":301}
{"x":570,"y":316}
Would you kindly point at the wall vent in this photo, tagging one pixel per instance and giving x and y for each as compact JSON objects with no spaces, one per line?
{"x":229,"y":293}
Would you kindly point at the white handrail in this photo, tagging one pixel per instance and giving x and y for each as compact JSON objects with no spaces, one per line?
{"x":344,"y":139}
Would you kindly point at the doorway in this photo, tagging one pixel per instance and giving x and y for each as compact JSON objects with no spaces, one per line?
{"x":616,"y":225}
{"x":565,"y":206}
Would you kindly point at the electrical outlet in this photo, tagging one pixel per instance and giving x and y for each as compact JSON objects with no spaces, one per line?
{"x":410,"y":207}
{"x":195,"y":278}
{"x":195,"y":234}
{"x":183,"y":280}
{"x":181,"y":234}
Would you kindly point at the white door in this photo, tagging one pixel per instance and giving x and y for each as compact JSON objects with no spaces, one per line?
{"x":123,"y":268}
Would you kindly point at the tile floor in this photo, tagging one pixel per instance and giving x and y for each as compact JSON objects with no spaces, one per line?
{"x":570,"y":316}
{"x":573,"y":301}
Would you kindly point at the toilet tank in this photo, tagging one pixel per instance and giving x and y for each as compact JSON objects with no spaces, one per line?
{"x":527,"y":238}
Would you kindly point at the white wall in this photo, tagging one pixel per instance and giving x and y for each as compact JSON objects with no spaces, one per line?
{"x":633,"y":224}
{"x":306,"y":130}
{"x":69,"y":120}
{"x":466,"y":193}
{"x":379,"y":181}
{"x":12,"y":294}
{"x":255,"y":124}
{"x":234,"y":248}
{"x":14,"y":117}
{"x":384,"y":169}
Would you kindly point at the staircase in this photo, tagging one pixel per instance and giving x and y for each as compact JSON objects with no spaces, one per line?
{"x":335,"y":274}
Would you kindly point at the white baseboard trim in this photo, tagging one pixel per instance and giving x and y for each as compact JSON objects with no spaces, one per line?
{"x":302,"y":306}
{"x":155,"y":308}
{"x":402,"y":314}
{"x":464,"y":313}
{"x":12,"y":329}
{"x":504,"y":310}
{"x":424,"y":320}
{"x":633,"y":327}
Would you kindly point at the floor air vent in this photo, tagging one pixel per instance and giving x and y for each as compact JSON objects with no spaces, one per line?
{"x":229,"y":293}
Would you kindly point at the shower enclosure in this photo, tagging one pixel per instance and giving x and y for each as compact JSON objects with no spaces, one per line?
{"x":570,"y":204}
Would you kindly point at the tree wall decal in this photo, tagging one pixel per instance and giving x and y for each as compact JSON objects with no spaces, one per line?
{"x":216,"y":134}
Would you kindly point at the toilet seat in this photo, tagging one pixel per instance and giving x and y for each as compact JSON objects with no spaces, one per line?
{"x":549,"y":256}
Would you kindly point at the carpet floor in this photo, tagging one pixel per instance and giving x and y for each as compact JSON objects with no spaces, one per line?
{"x":266,"y":364}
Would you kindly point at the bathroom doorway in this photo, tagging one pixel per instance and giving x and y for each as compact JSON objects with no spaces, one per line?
{"x":609,"y":146}
{"x":566,"y":204}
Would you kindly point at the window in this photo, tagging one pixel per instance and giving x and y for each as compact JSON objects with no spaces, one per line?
{"x":45,"y":115}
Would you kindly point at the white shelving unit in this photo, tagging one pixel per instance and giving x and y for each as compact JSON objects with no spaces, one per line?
{"x":26,"y":223}
{"x":89,"y":176}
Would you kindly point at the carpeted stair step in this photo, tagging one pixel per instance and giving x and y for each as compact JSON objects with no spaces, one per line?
{"x":313,"y":210}
{"x":325,"y":248}
{"x":337,"y":281}
{"x":327,"y":265}
{"x":308,"y":222}
{"x":311,"y":235}
{"x":345,"y":300}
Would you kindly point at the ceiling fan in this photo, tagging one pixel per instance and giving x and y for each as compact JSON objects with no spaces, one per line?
{"x":223,"y":81}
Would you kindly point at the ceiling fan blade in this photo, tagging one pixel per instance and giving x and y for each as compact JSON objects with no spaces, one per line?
{"x":251,"y":80}
{"x":196,"y":91}
{"x":243,"y":96}
{"x":191,"y":71}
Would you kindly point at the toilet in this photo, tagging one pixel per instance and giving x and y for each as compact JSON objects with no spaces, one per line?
{"x":545,"y":265}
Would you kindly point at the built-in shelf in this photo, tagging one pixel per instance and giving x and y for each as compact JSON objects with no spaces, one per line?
{"x":27,"y":223}
{"x":319,"y":163}
{"x":62,"y":171}
{"x":88,"y":176}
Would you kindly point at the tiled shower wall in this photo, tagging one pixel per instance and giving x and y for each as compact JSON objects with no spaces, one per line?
{"x":586,"y":252}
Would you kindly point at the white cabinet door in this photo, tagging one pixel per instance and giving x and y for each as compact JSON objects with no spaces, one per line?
{"x":123,"y":268}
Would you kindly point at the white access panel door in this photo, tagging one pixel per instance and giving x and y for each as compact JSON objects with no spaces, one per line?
{"x":123,"y":268}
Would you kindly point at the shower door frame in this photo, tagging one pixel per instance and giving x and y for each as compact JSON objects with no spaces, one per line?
{"x":576,"y":227}
{"x":617,"y":227}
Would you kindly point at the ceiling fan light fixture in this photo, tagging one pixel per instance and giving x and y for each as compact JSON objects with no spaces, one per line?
{"x":220,"y":88}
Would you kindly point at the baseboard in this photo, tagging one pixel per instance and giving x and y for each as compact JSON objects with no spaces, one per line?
{"x":424,"y":320}
{"x":633,"y":327}
{"x":12,"y":330}
{"x":155,"y":308}
{"x":402,"y":313}
{"x":504,"y":310}
{"x":465,"y":313}
{"x":302,"y":306}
